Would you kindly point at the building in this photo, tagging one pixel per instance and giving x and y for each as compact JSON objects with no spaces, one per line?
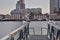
{"x":15,"y":16}
{"x":36,"y":10}
{"x":20,"y":5}
{"x":7,"y":17}
{"x":54,"y":17}
{"x":22,"y":13}
{"x":16,"y":13}
{"x":54,"y":6}
{"x":35,"y":16}
{"x":54,"y":9}
{"x":2,"y":16}
{"x":35,"y":13}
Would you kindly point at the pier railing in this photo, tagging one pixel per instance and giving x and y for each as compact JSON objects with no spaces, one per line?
{"x":22,"y":32}
{"x":41,"y":31}
{"x":53,"y":31}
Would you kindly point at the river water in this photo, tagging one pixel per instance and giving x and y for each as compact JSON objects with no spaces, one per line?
{"x":8,"y":26}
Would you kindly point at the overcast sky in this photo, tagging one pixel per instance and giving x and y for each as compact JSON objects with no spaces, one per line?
{"x":7,"y":5}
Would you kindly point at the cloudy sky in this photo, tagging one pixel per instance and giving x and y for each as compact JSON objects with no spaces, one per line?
{"x":7,"y":5}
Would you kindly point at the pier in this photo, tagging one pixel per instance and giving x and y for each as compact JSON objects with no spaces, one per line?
{"x":23,"y":33}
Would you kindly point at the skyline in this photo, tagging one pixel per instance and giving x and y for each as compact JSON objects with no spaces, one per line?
{"x":7,"y":5}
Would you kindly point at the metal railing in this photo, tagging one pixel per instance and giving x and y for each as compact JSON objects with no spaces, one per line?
{"x":33,"y":30}
{"x":40,"y":30}
{"x":23,"y":33}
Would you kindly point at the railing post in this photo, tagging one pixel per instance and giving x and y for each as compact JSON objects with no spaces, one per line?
{"x":33,"y":30}
{"x":12,"y":38}
{"x":28,"y":28}
{"x":20,"y":35}
{"x":27,"y":31}
{"x":41,"y":31}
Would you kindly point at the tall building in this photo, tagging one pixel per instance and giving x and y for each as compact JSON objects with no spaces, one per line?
{"x":54,"y":6}
{"x":20,"y":4}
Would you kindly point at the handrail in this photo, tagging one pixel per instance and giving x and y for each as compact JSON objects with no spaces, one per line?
{"x":13,"y":33}
{"x":33,"y":30}
{"x":42,"y":29}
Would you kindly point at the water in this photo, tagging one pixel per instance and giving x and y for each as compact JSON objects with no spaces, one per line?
{"x":8,"y":26}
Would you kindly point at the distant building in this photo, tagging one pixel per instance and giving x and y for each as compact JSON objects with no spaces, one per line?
{"x":25,"y":13}
{"x":54,"y":16}
{"x":22,"y":13}
{"x":54,"y":6}
{"x":16,"y":13}
{"x":35,"y":13}
{"x":7,"y":17}
{"x":39,"y":16}
{"x":35,"y":16}
{"x":15,"y":16}
{"x":54,"y":9}
{"x":2,"y":16}
{"x":20,"y":5}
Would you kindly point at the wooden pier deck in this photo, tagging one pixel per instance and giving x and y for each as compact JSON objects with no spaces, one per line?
{"x":38,"y":37}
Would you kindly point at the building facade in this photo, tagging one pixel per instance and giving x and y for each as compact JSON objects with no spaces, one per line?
{"x":7,"y":17}
{"x":54,"y":6}
{"x":15,"y":16}
{"x":20,"y":5}
{"x":2,"y":16}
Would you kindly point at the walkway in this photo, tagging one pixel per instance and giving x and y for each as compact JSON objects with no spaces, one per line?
{"x":37,"y":37}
